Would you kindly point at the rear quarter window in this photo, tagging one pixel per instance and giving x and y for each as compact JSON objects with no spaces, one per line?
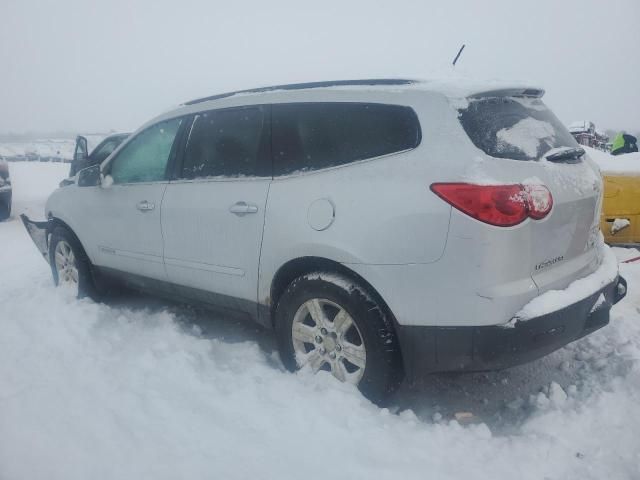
{"x":313,"y":136}
{"x":513,"y":128}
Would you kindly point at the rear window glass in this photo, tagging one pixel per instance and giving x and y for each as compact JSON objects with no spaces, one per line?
{"x":312,"y":136}
{"x":514,"y":128}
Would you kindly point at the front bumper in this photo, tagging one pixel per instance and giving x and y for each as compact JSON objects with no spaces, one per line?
{"x":469,"y":349}
{"x":39,"y":233}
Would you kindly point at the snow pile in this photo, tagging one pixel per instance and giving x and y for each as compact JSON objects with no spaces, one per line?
{"x":580,"y":289}
{"x":626,"y":164}
{"x":525,"y":135}
{"x":137,"y":389}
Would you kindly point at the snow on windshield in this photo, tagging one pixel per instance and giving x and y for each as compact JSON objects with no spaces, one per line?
{"x":527,"y":135}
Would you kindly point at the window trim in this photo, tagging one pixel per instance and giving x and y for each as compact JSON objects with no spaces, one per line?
{"x":170,"y":161}
{"x":265,"y":165}
{"x":298,"y":173}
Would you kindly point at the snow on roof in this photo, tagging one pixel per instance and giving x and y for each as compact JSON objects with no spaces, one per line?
{"x":456,"y":88}
{"x":453,"y":87}
{"x":626,"y":164}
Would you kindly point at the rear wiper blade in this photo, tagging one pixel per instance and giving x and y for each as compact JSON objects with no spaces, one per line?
{"x":568,"y":154}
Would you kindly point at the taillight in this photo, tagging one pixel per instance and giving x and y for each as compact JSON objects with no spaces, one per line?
{"x":539,"y":201}
{"x":500,"y":205}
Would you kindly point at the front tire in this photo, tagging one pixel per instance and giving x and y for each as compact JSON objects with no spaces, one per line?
{"x":70,"y":265}
{"x":328,"y":322}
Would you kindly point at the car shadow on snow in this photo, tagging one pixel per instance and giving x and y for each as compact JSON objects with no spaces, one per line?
{"x":502,"y":399}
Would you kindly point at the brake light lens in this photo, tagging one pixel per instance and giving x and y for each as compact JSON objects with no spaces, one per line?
{"x":499,"y":205}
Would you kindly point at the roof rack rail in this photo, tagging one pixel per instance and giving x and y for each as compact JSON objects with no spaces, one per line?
{"x":301,"y":86}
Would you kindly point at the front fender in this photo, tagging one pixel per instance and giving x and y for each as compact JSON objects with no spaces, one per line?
{"x":39,"y":233}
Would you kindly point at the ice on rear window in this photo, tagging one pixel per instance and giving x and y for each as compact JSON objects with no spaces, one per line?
{"x":526,"y":135}
{"x":514,"y":128}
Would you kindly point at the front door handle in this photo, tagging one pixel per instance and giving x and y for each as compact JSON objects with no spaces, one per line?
{"x":145,"y":206}
{"x":242,"y":208}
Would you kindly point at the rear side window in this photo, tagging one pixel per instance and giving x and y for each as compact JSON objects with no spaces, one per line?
{"x":312,"y":136}
{"x":514,"y":128}
{"x":226,"y":143}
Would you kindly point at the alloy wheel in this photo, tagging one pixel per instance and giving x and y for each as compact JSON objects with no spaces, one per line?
{"x":325,"y":337}
{"x":65,"y":262}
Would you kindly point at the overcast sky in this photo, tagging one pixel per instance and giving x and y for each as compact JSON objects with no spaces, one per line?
{"x":88,"y":66}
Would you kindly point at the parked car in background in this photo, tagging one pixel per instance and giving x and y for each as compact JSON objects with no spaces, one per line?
{"x":383,"y":228}
{"x":83,"y":159}
{"x":5,"y":190}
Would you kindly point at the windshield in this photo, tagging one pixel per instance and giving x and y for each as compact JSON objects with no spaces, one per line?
{"x":514,"y":128}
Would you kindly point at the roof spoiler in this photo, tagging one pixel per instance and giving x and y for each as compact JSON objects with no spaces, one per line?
{"x":510,"y":92}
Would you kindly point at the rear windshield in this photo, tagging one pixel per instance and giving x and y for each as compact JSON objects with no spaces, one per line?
{"x":514,"y":128}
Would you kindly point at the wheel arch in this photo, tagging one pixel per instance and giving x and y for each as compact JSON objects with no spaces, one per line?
{"x":296,"y":267}
{"x":57,"y":222}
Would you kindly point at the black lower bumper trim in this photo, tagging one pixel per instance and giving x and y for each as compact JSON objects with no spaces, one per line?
{"x":468,"y":349}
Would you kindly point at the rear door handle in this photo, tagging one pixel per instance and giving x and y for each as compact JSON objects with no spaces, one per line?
{"x":242,"y":208}
{"x":145,"y":206}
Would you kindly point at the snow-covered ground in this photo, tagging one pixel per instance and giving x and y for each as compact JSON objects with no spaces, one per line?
{"x":143,"y":389}
{"x":58,"y":148}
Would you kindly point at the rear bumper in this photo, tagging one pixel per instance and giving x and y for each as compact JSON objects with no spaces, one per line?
{"x":447,"y":349}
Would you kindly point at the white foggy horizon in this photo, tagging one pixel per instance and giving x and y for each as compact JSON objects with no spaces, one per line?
{"x":74,"y":66}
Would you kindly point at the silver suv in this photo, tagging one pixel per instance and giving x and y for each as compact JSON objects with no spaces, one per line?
{"x":383,"y":228}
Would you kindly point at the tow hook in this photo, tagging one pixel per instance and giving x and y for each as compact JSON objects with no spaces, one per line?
{"x":621,"y":290}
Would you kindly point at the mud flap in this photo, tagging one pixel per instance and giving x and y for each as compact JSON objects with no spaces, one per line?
{"x":39,"y":233}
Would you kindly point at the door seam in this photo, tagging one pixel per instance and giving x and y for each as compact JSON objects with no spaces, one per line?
{"x":164,"y":265}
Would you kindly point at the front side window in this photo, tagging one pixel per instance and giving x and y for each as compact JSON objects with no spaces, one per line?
{"x":226,"y":143}
{"x":145,"y":157}
{"x":312,"y":136}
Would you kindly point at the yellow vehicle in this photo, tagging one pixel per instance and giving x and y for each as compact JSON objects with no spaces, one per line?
{"x":620,"y":221}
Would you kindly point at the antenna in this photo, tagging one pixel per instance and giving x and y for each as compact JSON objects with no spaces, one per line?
{"x":458,"y":55}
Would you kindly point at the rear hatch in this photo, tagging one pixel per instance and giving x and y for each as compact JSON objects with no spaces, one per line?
{"x":527,"y":144}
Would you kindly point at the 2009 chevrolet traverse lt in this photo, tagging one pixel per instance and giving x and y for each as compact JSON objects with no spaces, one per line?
{"x":382,"y":227}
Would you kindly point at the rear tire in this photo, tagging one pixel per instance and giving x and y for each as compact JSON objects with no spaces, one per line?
{"x":360,"y":347}
{"x":70,"y":265}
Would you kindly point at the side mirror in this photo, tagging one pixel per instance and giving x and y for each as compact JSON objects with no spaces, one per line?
{"x":619,"y":224}
{"x":89,"y":177}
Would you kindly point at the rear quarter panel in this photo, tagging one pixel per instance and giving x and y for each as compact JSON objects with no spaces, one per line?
{"x":384,"y":212}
